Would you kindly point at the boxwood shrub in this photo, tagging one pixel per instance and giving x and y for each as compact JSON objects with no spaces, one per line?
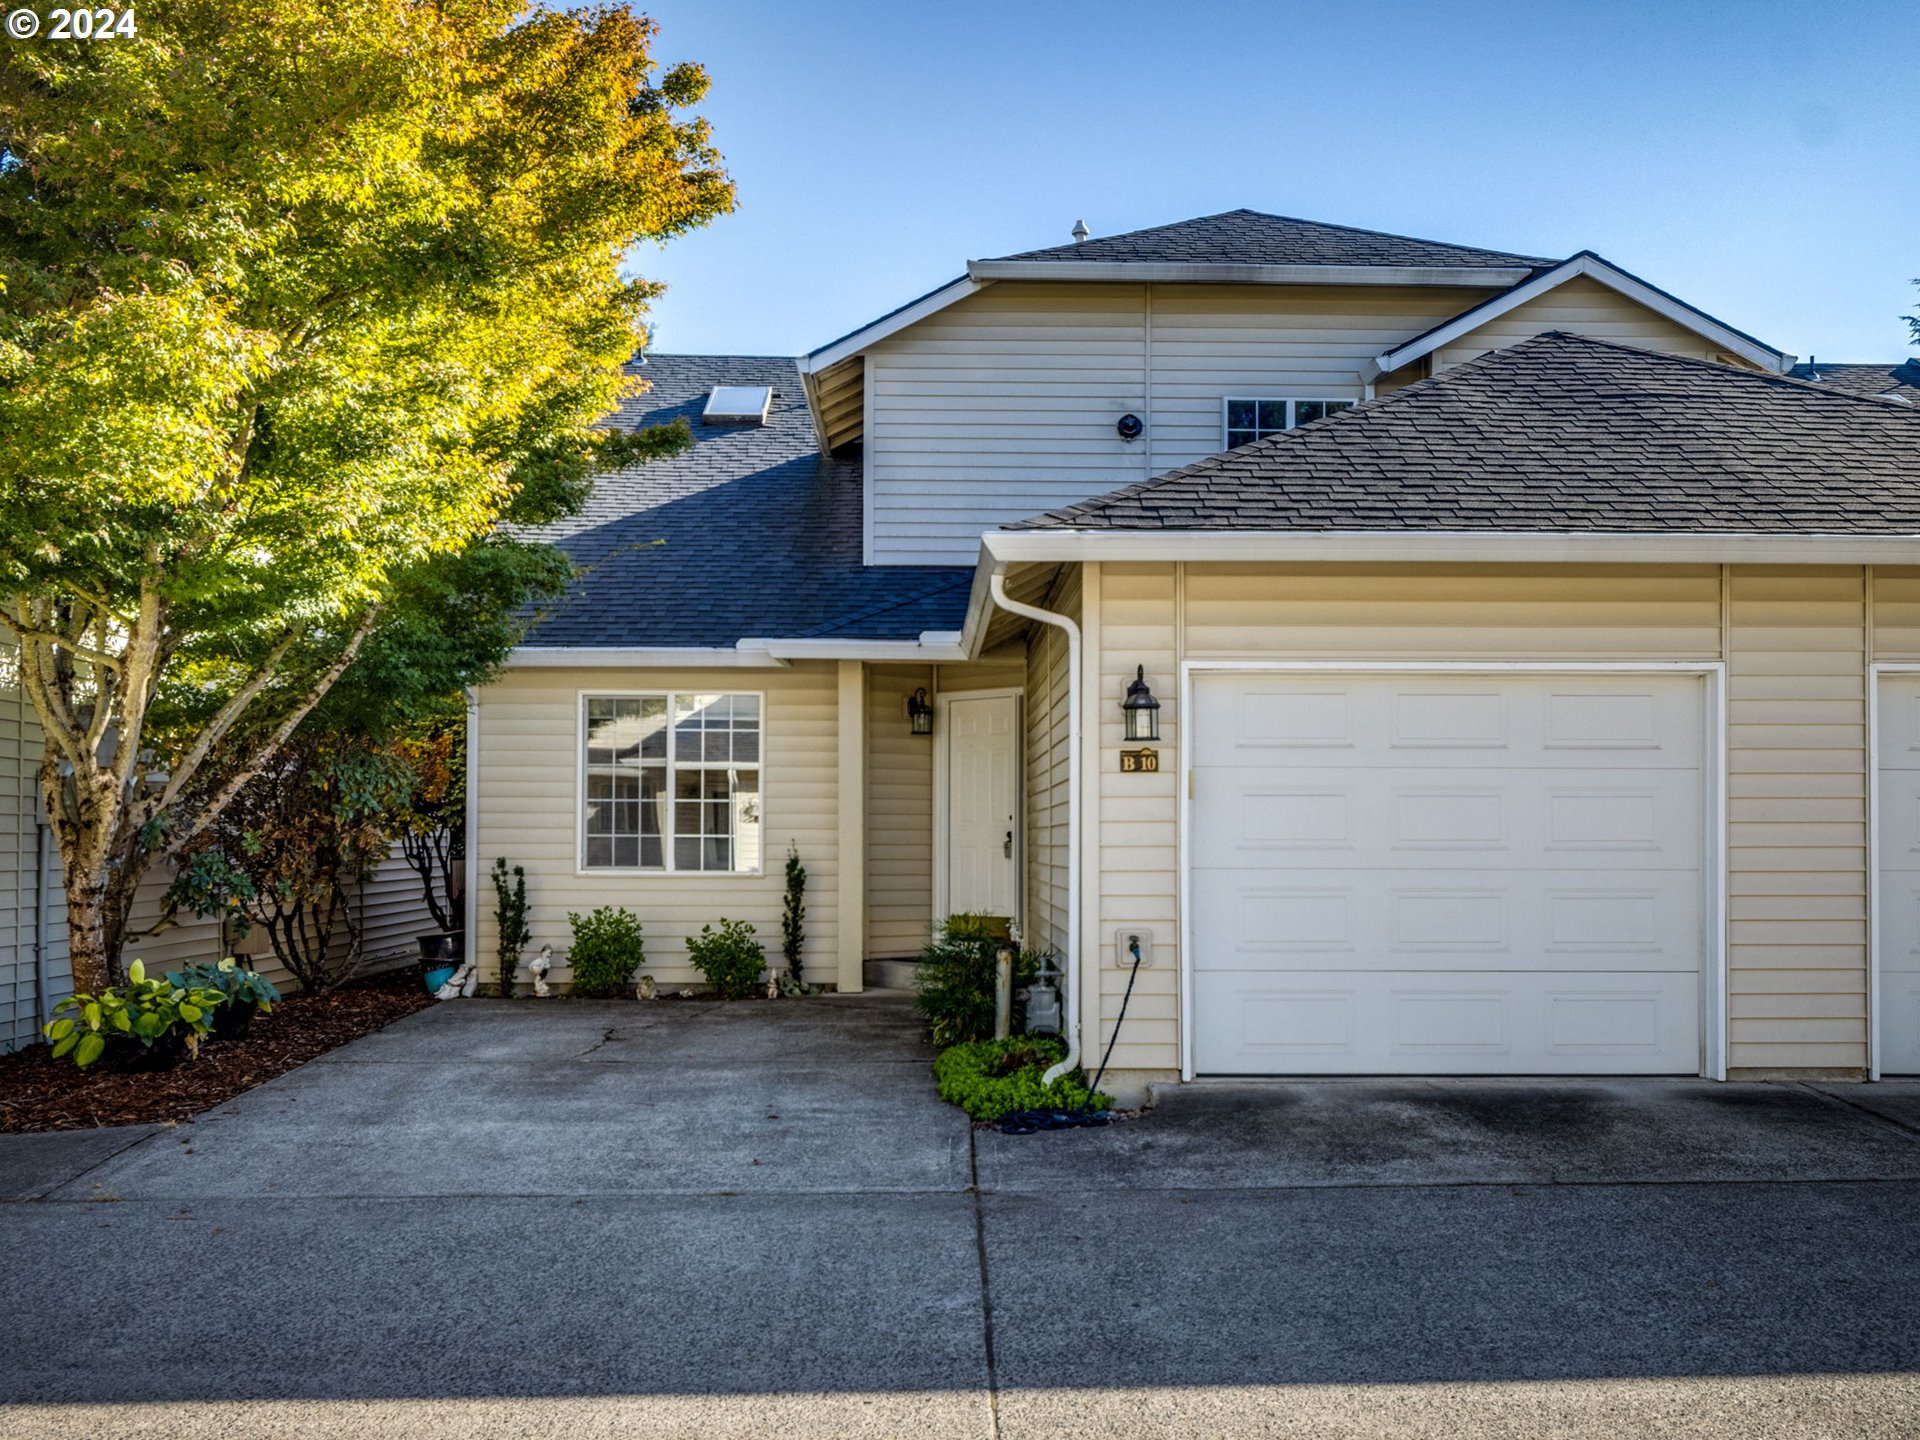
{"x":991,"y":1078}
{"x":606,"y":950}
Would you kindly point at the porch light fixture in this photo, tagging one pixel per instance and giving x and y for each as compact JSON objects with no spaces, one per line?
{"x":920,"y":712}
{"x":1141,"y":709}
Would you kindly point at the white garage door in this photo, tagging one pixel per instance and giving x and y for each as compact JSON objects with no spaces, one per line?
{"x":1448,"y":874}
{"x":1898,"y":890}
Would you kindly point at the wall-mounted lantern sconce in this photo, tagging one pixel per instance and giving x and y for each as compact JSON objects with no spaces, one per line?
{"x":1141,"y":709}
{"x":920,"y":712}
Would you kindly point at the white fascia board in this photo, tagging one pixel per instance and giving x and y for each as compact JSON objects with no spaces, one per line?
{"x":1197,"y":273}
{"x":1592,"y":266}
{"x":666,"y":657}
{"x":850,"y":345}
{"x":1440,"y":546}
{"x":933,"y":646}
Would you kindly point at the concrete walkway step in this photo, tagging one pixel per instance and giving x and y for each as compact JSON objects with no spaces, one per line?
{"x":889,"y":974}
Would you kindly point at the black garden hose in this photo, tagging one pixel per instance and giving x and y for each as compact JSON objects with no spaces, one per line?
{"x":1028,"y":1122}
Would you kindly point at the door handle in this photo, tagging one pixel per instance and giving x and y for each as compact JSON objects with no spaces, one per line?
{"x":1007,"y":848}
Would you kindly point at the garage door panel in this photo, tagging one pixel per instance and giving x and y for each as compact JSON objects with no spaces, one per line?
{"x":1399,"y":1022}
{"x":1346,"y":815}
{"x":1470,"y":722}
{"x":1437,"y":920}
{"x":1465,"y":874}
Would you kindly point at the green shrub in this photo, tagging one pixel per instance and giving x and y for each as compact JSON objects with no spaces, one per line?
{"x":991,"y":1078}
{"x":243,"y":993}
{"x":510,"y":919}
{"x":730,"y":958}
{"x":606,"y":950}
{"x":793,"y":916}
{"x":954,"y":981}
{"x":151,"y":1020}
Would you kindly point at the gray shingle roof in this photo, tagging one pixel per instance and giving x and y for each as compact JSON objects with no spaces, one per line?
{"x":1249,"y":237}
{"x":1901,"y":378}
{"x":1560,"y":433}
{"x":749,"y":533}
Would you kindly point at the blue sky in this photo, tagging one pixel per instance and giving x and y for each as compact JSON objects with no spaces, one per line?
{"x":1760,"y":159}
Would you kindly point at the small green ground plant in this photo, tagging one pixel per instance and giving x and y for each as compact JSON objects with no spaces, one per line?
{"x":510,"y":915}
{"x":793,"y":915}
{"x":954,"y":981}
{"x":730,"y":958}
{"x":141,"y":1024}
{"x":607,"y":949}
{"x":244,"y":993}
{"x":991,"y":1078}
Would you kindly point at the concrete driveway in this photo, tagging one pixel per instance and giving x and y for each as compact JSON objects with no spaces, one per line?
{"x":578,"y":1220}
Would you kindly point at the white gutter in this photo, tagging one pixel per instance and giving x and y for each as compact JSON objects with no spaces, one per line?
{"x":1070,"y":972}
{"x":592,"y":657}
{"x":1432,"y":546}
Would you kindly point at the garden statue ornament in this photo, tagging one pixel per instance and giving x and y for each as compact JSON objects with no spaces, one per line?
{"x":539,"y":966}
{"x":462,"y":983}
{"x":644,"y":988}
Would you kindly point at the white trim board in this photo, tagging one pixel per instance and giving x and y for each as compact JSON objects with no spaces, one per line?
{"x":1714,"y":959}
{"x":912,"y":313}
{"x":1876,"y":670}
{"x":1201,"y":272}
{"x":1595,"y":268}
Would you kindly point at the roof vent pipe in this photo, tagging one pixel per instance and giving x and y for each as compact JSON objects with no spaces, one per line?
{"x":1080,"y":232}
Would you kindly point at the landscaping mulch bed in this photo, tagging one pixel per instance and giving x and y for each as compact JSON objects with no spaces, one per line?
{"x":38,"y":1092}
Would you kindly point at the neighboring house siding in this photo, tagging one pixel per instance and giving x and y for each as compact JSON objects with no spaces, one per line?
{"x":1004,"y":405}
{"x":20,"y":743}
{"x":1585,"y":307}
{"x":1048,"y":734}
{"x":1797,"y":760}
{"x":529,"y":813}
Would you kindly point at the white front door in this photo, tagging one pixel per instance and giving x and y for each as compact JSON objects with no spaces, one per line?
{"x":1424,"y":873}
{"x":982,"y":806}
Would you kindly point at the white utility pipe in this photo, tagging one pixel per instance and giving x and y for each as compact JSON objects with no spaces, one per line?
{"x":1070,"y":972}
{"x":470,"y":881}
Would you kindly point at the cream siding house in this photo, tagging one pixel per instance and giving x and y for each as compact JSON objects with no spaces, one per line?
{"x":1478,"y":768}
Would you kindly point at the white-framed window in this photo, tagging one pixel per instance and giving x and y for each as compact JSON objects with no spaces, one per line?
{"x":671,"y":782}
{"x":1246,"y":419}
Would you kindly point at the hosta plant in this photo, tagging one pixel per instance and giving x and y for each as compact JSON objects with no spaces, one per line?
{"x":143,"y":1018}
{"x":244,"y":993}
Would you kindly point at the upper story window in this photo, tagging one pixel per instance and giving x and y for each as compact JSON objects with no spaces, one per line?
{"x":1247,"y":420}
{"x":670,"y":782}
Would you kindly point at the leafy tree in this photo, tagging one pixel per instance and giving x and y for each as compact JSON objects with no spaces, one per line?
{"x":300,"y":300}
{"x":430,"y":823}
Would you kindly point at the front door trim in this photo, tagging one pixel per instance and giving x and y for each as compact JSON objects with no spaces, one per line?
{"x":942,"y":735}
{"x":1875,"y":671}
{"x":1713,"y":1008}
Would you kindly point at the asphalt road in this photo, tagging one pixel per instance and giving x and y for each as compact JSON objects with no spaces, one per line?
{"x":577,"y":1220}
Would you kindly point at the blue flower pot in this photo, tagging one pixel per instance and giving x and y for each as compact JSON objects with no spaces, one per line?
{"x":439,"y":976}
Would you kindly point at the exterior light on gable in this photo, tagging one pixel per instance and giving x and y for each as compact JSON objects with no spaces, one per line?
{"x":920,"y":712}
{"x":1141,"y":709}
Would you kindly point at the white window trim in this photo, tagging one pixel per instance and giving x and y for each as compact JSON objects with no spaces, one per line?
{"x":1287,"y":400}
{"x":665,"y":872}
{"x":1714,"y":975}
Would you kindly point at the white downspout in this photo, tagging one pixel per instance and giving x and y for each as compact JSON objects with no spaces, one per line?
{"x":471,"y":880}
{"x":1070,"y":972}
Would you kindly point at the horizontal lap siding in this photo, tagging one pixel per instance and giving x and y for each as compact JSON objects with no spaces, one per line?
{"x":20,"y":751}
{"x":1004,"y":405}
{"x":1797,"y":818}
{"x":529,"y":807}
{"x":1584,"y":307}
{"x":1048,"y":735}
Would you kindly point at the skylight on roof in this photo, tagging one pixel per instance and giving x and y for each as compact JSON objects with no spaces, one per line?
{"x":738,"y":405}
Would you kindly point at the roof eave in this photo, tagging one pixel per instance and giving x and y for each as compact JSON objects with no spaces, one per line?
{"x":1446,"y":546}
{"x":1138,"y":272}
